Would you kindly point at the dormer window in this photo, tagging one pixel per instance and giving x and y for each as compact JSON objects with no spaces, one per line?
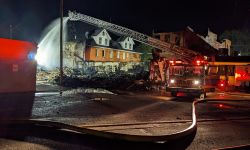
{"x":101,"y":37}
{"x":126,"y":43}
{"x":100,"y":40}
{"x":106,"y":42}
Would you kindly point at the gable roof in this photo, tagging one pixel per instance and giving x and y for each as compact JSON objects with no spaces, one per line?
{"x":123,"y":38}
{"x":98,"y":31}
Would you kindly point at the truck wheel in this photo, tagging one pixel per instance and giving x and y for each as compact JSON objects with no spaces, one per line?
{"x":174,"y":94}
{"x":202,"y":96}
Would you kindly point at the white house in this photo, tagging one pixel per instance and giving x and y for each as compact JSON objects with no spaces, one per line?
{"x":101,"y":37}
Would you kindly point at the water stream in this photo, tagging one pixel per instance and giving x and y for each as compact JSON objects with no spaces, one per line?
{"x":48,"y":53}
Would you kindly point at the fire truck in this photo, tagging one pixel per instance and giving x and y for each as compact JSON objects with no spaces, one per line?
{"x":17,"y":66}
{"x":187,"y":79}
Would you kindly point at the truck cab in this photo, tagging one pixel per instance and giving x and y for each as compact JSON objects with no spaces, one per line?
{"x":186,"y":79}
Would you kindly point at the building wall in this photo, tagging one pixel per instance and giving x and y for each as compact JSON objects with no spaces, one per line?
{"x":176,"y":38}
{"x":211,"y":38}
{"x":91,"y":55}
{"x":187,"y":39}
{"x":73,"y":53}
{"x":101,"y":67}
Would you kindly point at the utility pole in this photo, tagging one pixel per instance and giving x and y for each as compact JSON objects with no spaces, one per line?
{"x":61,"y":42}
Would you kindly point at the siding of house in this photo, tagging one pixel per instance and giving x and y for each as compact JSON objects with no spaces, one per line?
{"x":90,"y":55}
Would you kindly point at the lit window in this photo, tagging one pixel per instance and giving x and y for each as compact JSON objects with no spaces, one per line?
{"x":118,"y":54}
{"x":127,"y":55}
{"x":96,"y":54}
{"x":100,"y":40}
{"x":111,"y":54}
{"x":124,"y":55}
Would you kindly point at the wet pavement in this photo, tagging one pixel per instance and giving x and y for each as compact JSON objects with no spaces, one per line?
{"x":130,"y":113}
{"x":141,"y":114}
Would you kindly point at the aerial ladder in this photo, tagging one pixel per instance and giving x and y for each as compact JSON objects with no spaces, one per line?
{"x":167,"y":50}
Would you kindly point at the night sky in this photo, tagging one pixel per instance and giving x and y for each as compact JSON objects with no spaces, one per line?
{"x":30,"y":17}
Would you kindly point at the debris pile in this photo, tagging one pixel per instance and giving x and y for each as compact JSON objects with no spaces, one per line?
{"x":115,"y":80}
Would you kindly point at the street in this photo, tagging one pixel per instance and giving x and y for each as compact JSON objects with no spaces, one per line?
{"x":222,"y":121}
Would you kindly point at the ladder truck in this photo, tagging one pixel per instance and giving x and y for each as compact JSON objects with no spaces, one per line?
{"x":159,"y":67}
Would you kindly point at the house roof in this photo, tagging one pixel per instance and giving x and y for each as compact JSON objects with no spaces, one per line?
{"x":121,"y":39}
{"x":113,"y":43}
{"x":96,"y":32}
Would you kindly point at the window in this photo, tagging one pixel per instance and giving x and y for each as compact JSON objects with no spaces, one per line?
{"x":177,"y":40}
{"x":106,"y":41}
{"x":124,"y":55}
{"x":118,"y":54}
{"x":230,"y":70}
{"x":221,"y":70}
{"x":103,"y":33}
{"x":96,"y":53}
{"x":130,"y":46}
{"x":100,"y":40}
{"x":111,"y":54}
{"x":212,"y":70}
{"x":167,"y":38}
{"x":103,"y":53}
{"x":126,"y":44}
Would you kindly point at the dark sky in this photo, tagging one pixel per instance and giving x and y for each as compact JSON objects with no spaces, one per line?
{"x":30,"y":17}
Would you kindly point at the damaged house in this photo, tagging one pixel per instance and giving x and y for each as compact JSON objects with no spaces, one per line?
{"x":101,"y":53}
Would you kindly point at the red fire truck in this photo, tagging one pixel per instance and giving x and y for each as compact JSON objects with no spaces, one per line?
{"x":187,"y":79}
{"x":17,"y":66}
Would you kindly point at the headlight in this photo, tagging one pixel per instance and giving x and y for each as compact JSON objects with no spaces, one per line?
{"x":196,"y":82}
{"x":172,"y":81}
